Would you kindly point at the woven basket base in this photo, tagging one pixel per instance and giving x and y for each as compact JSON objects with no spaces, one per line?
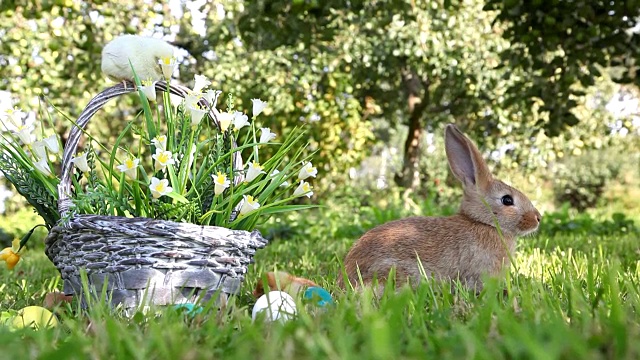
{"x":140,"y":261}
{"x":152,"y":295}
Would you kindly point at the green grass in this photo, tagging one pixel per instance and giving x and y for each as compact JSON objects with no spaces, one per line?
{"x":572,"y":295}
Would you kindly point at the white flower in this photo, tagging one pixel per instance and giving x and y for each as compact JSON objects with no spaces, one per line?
{"x":162,"y":159}
{"x":200,"y":83}
{"x":220,"y":182}
{"x":273,"y":175}
{"x":25,"y":134}
{"x":176,"y":100}
{"x":51,"y":142}
{"x":130,"y":167}
{"x":258,"y":106}
{"x":303,"y":189}
{"x":159,"y":187}
{"x":81,"y":162}
{"x":14,"y":117}
{"x":253,"y":170}
{"x":307,"y":170}
{"x":148,"y":87}
{"x":248,"y":204}
{"x":168,"y":64}
{"x":196,"y":114}
{"x":160,"y":142}
{"x":225,"y":120}
{"x":43,"y":167}
{"x":192,"y":99}
{"x":266,"y":135}
{"x":212,"y":97}
{"x":39,"y":150}
{"x":240,"y":120}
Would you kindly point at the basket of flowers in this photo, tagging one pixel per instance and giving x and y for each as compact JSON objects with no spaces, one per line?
{"x":168,"y":213}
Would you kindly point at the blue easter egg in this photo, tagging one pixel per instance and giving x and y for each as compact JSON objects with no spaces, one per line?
{"x":319,"y":295}
{"x":190,"y":309}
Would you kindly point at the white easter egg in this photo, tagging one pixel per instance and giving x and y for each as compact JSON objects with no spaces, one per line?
{"x":278,"y":305}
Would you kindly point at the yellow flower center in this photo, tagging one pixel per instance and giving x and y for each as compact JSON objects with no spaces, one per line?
{"x":163,"y":157}
{"x":10,"y":257}
{"x":221,"y":178}
{"x":167,"y":60}
{"x":306,"y":187}
{"x":129,"y":163}
{"x":160,"y":187}
{"x":251,"y":200}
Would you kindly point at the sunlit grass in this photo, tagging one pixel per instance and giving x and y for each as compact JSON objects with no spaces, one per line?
{"x":570,"y":296}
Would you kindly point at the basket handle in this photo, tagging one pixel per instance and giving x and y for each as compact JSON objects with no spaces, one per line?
{"x":70,"y":148}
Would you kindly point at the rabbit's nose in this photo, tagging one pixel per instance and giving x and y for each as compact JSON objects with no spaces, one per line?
{"x":538,"y":216}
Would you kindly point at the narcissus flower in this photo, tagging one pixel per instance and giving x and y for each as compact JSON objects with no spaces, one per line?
{"x":43,"y":166}
{"x":81,"y":162}
{"x":159,"y":187}
{"x":220,"y":182}
{"x":197,"y":113}
{"x":39,"y":150}
{"x":130,"y":167}
{"x":303,"y":189}
{"x":258,"y":106}
{"x":149,"y":89}
{"x":273,"y":175}
{"x":225,"y":120}
{"x":240,"y":120}
{"x":253,"y":170}
{"x":14,"y":116}
{"x":168,"y":64}
{"x":25,"y":134}
{"x":192,"y":99}
{"x":10,"y":254}
{"x":248,"y":204}
{"x":212,"y":97}
{"x":201,"y":82}
{"x":162,"y":159}
{"x":51,"y":142}
{"x":266,"y":135}
{"x":160,"y":142}
{"x":307,"y":171}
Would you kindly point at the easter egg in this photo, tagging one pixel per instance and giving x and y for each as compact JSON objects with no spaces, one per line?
{"x":277,"y":305}
{"x":35,"y":317}
{"x":318,"y":296}
{"x":188,"y":308}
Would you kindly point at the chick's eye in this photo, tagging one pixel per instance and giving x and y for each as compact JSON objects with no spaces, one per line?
{"x":507,"y":200}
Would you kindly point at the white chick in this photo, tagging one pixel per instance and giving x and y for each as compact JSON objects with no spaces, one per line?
{"x":143,"y":52}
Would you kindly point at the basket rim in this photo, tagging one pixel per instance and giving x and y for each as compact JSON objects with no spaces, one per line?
{"x":52,"y":237}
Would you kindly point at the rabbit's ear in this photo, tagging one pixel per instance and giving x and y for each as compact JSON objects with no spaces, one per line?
{"x":465,"y":160}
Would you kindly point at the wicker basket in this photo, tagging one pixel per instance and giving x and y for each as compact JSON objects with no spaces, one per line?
{"x":143,"y":261}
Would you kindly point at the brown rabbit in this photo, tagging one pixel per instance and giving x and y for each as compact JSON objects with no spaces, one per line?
{"x":464,"y":246}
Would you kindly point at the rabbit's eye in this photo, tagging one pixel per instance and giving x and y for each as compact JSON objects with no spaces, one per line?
{"x":507,"y":200}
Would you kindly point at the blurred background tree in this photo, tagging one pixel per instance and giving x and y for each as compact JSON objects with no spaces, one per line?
{"x":374,"y":81}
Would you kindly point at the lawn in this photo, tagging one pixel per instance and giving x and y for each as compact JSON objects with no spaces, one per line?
{"x":573,"y":294}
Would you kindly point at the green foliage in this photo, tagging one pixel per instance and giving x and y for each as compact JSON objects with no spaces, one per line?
{"x":563,"y":222}
{"x":581,"y":180}
{"x":564,"y":43}
{"x":350,"y":70}
{"x":17,"y":166}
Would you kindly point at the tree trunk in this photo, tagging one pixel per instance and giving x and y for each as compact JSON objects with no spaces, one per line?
{"x":410,"y":176}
